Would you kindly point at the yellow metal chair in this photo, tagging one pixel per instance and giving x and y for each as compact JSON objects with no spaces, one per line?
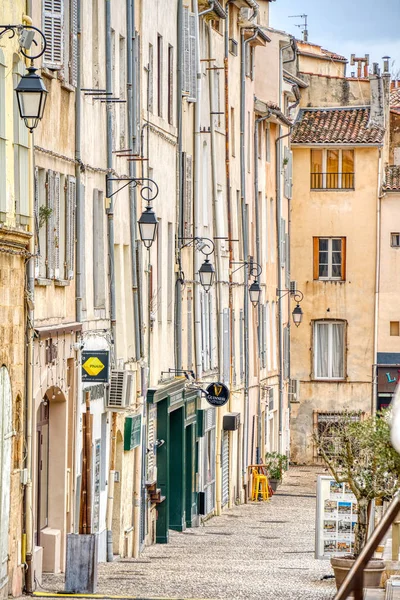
{"x":259,"y":485}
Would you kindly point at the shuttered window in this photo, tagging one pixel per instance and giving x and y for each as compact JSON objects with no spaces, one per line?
{"x":53,"y":14}
{"x":241,"y":344}
{"x":286,"y":352}
{"x":189,"y":54}
{"x":226,"y":346}
{"x":99,"y":292}
{"x":159,"y":75}
{"x":70,"y":227}
{"x":56,"y":241}
{"x":225,"y":468}
{"x":170,"y":85}
{"x":234,"y":378}
{"x":73,"y":43}
{"x":150,"y":92}
{"x":288,"y":172}
{"x":283,"y":242}
{"x":187,"y":164}
{"x":50,"y":192}
{"x":3,"y":166}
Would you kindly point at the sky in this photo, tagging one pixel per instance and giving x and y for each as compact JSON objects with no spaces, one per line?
{"x":345,"y":26}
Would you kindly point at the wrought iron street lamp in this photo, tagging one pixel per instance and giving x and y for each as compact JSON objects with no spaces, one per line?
{"x":206,"y":271}
{"x":31,"y":91}
{"x":297,"y":312}
{"x":148,"y":222}
{"x":255,"y":271}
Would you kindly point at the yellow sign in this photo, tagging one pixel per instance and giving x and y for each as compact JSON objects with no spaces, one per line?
{"x":93,"y":366}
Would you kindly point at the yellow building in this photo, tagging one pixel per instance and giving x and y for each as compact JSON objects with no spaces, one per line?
{"x":338,"y":150}
{"x":16,"y":229}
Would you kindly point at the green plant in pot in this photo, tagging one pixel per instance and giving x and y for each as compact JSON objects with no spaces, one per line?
{"x":358,"y":453}
{"x":276,"y":464}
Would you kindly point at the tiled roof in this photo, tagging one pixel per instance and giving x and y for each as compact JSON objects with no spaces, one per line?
{"x":333,"y":55}
{"x":392,"y":179}
{"x":309,"y":49}
{"x":335,"y":126}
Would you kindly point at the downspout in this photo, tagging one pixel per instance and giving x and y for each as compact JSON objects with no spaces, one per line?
{"x":278,"y":212}
{"x":196,"y":196}
{"x":219,"y":295}
{"x":178,"y":282}
{"x":243,"y":43}
{"x":78,"y":188}
{"x":110,"y":209}
{"x":27,"y":536}
{"x":132,"y":143}
{"x":205,"y":12}
{"x":258,"y":260}
{"x":377,"y":283}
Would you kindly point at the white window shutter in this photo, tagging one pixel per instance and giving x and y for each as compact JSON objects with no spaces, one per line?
{"x":50,"y":225}
{"x":288,"y":173}
{"x":186,"y":52}
{"x":70,"y":228}
{"x":150,"y":100}
{"x":56,"y":226}
{"x":193,"y":56}
{"x":73,"y":32}
{"x":187,"y":194}
{"x":53,"y":15}
{"x":287,"y":259}
{"x":226,"y":346}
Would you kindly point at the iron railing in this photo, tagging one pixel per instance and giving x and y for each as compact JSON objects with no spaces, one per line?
{"x":332,"y":181}
{"x":354,"y":581}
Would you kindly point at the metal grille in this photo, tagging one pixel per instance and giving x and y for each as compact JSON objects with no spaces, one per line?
{"x":225,"y":468}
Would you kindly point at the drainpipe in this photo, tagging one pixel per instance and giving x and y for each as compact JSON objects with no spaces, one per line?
{"x":178,"y":282}
{"x":196,"y":195}
{"x":243,"y":43}
{"x":219,"y":233}
{"x":132,"y":143}
{"x":258,"y":260}
{"x":110,"y":209}
{"x":208,"y":10}
{"x":78,"y":161}
{"x":377,"y":282}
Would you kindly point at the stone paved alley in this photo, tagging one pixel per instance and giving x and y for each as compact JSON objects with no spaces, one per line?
{"x":259,"y":550}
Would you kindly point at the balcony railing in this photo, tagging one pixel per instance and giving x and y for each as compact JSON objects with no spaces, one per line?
{"x":332,"y":181}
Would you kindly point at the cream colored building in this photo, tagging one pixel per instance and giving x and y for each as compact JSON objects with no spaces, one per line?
{"x":339,"y":144}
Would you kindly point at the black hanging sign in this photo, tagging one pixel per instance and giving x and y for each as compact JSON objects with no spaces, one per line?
{"x":217,"y":394}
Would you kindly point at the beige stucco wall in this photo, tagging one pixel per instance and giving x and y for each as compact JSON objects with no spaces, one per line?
{"x":389,"y":269}
{"x":334,"y":91}
{"x":353,"y":215}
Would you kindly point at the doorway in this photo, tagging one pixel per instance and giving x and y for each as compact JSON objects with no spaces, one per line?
{"x":42,"y":428}
{"x":176,"y":471}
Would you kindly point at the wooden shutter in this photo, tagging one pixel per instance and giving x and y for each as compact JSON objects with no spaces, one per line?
{"x":193,"y":55}
{"x":56,"y":225}
{"x":286,"y":352}
{"x":70,"y":227}
{"x":283,"y":242}
{"x":287,"y":259}
{"x":53,"y":30}
{"x":73,"y":32}
{"x":189,"y":330}
{"x":150,"y":99}
{"x":50,"y":262}
{"x":170,"y":84}
{"x":288,"y":173}
{"x":226,"y":346}
{"x":233,"y":348}
{"x":315,"y":258}
{"x":186,"y":52}
{"x":241,"y":343}
{"x":343,"y":258}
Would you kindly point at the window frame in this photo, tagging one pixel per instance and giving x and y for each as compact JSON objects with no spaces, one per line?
{"x":324,"y":172}
{"x":392,"y":234}
{"x":315,"y":349}
{"x":316,"y":276}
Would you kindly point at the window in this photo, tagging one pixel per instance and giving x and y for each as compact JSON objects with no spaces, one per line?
{"x":170,"y":84}
{"x":395,"y":240}
{"x":268,"y":143}
{"x":159,"y":75}
{"x":233,"y":142}
{"x":330,"y":258}
{"x":122,"y":89}
{"x":329,"y":339}
{"x":21,"y":159}
{"x":394,"y":328}
{"x":3,"y":140}
{"x":189,"y":54}
{"x":99,"y":284}
{"x":150,"y":80}
{"x":332,"y":169}
{"x":249,"y":58}
{"x":60,"y":26}
{"x":326,"y":424}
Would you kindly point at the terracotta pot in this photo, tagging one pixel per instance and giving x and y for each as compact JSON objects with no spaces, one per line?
{"x":372,"y":574}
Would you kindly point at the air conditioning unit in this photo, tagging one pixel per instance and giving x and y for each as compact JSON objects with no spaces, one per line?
{"x":293,"y":287}
{"x":294,"y":390}
{"x":121,"y":392}
{"x":233,"y":47}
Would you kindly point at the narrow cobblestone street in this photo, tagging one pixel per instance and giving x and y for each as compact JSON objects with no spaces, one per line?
{"x":259,"y":550}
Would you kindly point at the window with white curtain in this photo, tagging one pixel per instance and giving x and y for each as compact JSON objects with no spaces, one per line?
{"x":329,"y":338}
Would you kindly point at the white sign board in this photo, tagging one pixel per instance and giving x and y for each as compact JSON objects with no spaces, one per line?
{"x":336,"y":517}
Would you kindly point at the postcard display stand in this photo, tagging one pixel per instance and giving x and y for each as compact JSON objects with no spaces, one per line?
{"x":336,"y":518}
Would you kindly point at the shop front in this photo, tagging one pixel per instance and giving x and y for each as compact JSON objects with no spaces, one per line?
{"x":173,"y":459}
{"x":388,"y":378}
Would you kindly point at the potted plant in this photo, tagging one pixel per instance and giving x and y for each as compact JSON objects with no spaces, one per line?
{"x":276,"y":464}
{"x":358,"y":453}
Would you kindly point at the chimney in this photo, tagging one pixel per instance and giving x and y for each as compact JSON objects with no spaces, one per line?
{"x":385,"y":64}
{"x":377,"y":95}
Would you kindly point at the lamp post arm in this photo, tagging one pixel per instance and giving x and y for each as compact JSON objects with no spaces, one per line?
{"x":12,"y":29}
{"x":150,"y":183}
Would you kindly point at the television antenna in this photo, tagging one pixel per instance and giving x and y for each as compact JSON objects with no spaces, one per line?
{"x":302,"y":25}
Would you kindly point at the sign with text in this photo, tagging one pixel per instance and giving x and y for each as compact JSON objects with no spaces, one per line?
{"x":388,"y":378}
{"x":217,"y":394}
{"x":95,"y":365}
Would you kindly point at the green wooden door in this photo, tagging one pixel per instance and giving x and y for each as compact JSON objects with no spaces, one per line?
{"x":163,"y":453}
{"x":176,"y":503}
